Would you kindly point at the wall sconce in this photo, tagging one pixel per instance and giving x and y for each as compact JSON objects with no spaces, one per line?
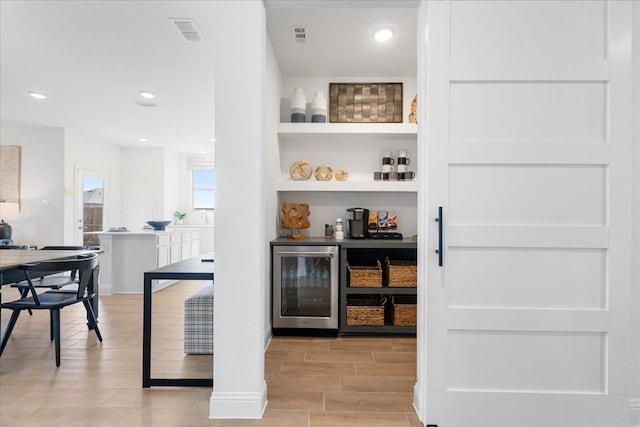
{"x":8,"y":211}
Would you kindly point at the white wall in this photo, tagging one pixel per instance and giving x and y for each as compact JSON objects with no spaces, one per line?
{"x":150,"y":179}
{"x":272,"y":170}
{"x":240,"y":238}
{"x":42,"y":178}
{"x":635,"y":225}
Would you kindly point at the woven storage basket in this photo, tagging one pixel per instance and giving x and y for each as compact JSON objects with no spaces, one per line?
{"x":365,"y":277}
{"x":401,"y":274}
{"x":365,"y":312}
{"x":404,"y":310}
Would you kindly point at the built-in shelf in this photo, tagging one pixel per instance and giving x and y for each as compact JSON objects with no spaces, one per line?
{"x":358,"y":186}
{"x":312,"y":131}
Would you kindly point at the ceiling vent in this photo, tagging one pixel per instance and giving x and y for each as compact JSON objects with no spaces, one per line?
{"x":300,"y":33}
{"x":188,"y":29}
{"x":145,"y":103}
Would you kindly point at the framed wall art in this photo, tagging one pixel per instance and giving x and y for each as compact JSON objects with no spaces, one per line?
{"x":10,"y":160}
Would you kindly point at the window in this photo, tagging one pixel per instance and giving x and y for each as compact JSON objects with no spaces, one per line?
{"x":203,"y":188}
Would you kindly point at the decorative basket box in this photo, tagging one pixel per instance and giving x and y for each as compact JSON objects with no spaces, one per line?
{"x":404,"y":310}
{"x":365,"y":102}
{"x":366,"y":311}
{"x":401,"y":274}
{"x":365,"y":277}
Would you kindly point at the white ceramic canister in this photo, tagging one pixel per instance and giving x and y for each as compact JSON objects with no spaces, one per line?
{"x":298,"y":106}
{"x":319,"y":108}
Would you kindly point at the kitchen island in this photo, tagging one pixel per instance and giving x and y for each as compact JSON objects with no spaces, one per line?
{"x":128,"y":254}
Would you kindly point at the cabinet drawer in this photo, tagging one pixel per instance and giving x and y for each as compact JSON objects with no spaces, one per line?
{"x":186,"y":236}
{"x":163,"y":239}
{"x":176,"y":237}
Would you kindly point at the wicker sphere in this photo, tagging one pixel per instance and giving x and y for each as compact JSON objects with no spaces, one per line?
{"x":323,"y":173}
{"x":300,"y":170}
{"x":342,"y":175}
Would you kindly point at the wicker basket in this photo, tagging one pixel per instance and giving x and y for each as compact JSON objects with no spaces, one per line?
{"x":401,"y":274}
{"x":404,"y":310}
{"x":365,"y":277}
{"x":365,"y":312}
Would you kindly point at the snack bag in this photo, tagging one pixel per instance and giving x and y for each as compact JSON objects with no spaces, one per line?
{"x":373,"y":221}
{"x":393,"y":221}
{"x":383,"y":220}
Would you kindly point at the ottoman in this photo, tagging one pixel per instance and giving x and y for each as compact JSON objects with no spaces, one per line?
{"x":198,"y":322}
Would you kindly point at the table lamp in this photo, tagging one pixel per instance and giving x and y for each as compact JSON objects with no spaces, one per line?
{"x":8,"y":211}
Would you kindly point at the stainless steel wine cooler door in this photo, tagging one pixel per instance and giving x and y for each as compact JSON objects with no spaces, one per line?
{"x":305,"y":287}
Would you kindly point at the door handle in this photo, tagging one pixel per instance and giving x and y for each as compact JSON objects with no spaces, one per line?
{"x":328,"y":254}
{"x":439,"y":250}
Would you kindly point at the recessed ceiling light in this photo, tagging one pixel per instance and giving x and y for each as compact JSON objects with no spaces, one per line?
{"x":146,"y":94}
{"x":383,"y":34}
{"x":143,"y":139}
{"x":212,"y":139}
{"x":203,"y":152}
{"x":37,"y":95}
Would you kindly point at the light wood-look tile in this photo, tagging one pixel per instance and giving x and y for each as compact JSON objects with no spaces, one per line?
{"x":311,"y":381}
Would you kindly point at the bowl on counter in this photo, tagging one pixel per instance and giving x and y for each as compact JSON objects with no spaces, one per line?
{"x":158,"y":225}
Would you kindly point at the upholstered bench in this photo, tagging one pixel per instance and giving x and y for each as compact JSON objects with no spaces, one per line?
{"x":198,"y":322}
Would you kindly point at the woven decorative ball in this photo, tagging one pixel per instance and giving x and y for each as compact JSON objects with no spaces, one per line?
{"x":300,"y":170}
{"x":323,"y":173}
{"x":342,"y":175}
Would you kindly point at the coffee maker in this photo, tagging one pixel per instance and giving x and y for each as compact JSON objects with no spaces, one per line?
{"x":357,"y":223}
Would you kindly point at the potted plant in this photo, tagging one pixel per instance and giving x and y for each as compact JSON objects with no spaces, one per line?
{"x":179,"y":216}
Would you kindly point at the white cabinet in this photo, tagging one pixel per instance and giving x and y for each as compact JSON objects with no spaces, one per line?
{"x":127,"y":255}
{"x":357,"y":148}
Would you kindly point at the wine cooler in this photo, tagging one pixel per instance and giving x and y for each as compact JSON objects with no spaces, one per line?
{"x":305,"y":287}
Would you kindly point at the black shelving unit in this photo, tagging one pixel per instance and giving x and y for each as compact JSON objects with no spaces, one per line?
{"x":366,"y":252}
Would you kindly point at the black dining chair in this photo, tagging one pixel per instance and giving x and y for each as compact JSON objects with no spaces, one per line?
{"x":55,"y":301}
{"x":21,"y":247}
{"x":50,"y":280}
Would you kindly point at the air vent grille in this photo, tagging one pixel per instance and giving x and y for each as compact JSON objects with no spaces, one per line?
{"x":300,"y":33}
{"x":189,"y":29}
{"x":145,"y":103}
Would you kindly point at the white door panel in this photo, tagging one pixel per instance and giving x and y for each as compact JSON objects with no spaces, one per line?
{"x":526,"y":321}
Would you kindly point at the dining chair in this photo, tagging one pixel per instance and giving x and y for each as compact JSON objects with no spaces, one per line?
{"x":21,"y":247}
{"x":55,"y":301}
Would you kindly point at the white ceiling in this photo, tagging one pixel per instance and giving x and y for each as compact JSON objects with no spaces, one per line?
{"x":92,"y":58}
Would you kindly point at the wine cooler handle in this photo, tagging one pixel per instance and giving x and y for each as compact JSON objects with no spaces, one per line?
{"x":439,"y":250}
{"x":329,"y":254}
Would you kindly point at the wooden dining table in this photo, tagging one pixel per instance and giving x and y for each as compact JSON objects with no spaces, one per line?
{"x":12,"y":259}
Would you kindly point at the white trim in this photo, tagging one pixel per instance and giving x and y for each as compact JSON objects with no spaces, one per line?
{"x":238,"y":405}
{"x":634,"y":412}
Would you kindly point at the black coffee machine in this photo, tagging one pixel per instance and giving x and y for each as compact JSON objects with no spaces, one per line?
{"x":357,"y":223}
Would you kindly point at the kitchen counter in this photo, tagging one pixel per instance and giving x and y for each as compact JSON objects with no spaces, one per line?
{"x":128,"y":254}
{"x":347,"y":243}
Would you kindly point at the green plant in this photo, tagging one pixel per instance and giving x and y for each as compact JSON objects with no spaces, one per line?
{"x":180,"y":215}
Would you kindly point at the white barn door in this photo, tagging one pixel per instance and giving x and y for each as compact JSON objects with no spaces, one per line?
{"x":527,"y":129}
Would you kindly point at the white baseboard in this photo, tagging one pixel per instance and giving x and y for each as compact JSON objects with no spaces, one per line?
{"x":634,"y":411}
{"x":417,"y":401}
{"x":238,"y":405}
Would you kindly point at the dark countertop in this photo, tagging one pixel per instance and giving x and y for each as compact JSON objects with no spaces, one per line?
{"x":346,"y":243}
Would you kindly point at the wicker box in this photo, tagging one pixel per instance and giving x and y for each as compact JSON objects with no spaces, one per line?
{"x":404,"y":310}
{"x":365,"y":311}
{"x":365,"y":103}
{"x":365,"y":277}
{"x":401,"y":274}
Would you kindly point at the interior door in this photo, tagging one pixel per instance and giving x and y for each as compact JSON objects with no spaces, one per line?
{"x":91,"y":201}
{"x":527,"y":136}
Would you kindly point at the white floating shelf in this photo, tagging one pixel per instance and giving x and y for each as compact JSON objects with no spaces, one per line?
{"x":356,"y":186}
{"x":367,"y":130}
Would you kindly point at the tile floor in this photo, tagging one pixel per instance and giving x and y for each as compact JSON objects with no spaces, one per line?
{"x":346,"y":381}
